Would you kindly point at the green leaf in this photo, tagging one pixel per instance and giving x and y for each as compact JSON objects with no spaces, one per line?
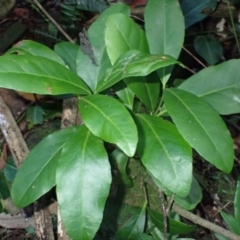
{"x":83,"y":184}
{"x":134,"y":226}
{"x":220,"y":237}
{"x":165,"y":30}
{"x":120,"y":161}
{"x":209,"y":48}
{"x":193,"y":11}
{"x":34,"y":48}
{"x":174,"y":227}
{"x":36,"y":175}
{"x":164,"y":153}
{"x":146,"y":88}
{"x":68,"y":52}
{"x":232,"y":222}
{"x":126,"y":95}
{"x":96,"y":31}
{"x":217,"y":85}
{"x":38,"y":75}
{"x":4,"y":189}
{"x":108,"y":119}
{"x":201,"y":126}
{"x":133,"y":63}
{"x":237,"y":201}
{"x":35,"y":115}
{"x":193,"y":198}
{"x":123,"y":32}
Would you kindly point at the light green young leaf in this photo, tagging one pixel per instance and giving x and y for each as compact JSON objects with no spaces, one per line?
{"x":134,"y":226}
{"x":231,"y":222}
{"x":201,"y":126}
{"x":217,"y":85}
{"x":237,"y":202}
{"x":83,"y":183}
{"x":165,"y":30}
{"x":209,"y":48}
{"x":34,"y":74}
{"x":108,"y":119}
{"x":68,"y":52}
{"x":123,"y":32}
{"x":165,"y":154}
{"x":34,"y":48}
{"x":133,"y":63}
{"x":147,"y":88}
{"x":36,"y":175}
{"x":174,"y":227}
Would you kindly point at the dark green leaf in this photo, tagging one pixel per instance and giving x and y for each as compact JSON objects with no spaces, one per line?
{"x":209,"y":48}
{"x":92,"y":5}
{"x":126,"y":95}
{"x":36,"y":49}
{"x":36,"y":175}
{"x":165,"y":154}
{"x":217,"y":85}
{"x":134,"y":226}
{"x":108,"y":119}
{"x":83,"y":184}
{"x":133,"y":63}
{"x":195,"y":11}
{"x":35,"y":115}
{"x":68,"y":52}
{"x":4,"y":190}
{"x":174,"y":227}
{"x":121,"y":160}
{"x":193,"y":198}
{"x":165,"y":30}
{"x":123,"y":32}
{"x":237,"y":202}
{"x":38,"y":75}
{"x":146,"y":88}
{"x":201,"y":126}
{"x":231,"y":222}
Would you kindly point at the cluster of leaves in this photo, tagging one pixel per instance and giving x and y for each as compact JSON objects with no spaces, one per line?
{"x":135,"y":65}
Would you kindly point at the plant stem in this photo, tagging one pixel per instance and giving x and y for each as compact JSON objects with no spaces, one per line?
{"x":234,"y":29}
{"x":53,"y":21}
{"x":185,"y":49}
{"x":204,"y":223}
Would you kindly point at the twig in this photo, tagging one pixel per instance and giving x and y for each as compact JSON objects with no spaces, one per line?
{"x":165,"y":226}
{"x":185,"y":49}
{"x":53,"y":22}
{"x":202,"y":222}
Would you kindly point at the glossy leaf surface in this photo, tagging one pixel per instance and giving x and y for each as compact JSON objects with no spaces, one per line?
{"x":123,"y":32}
{"x":83,"y":182}
{"x":193,"y":11}
{"x":126,"y":95}
{"x":174,"y":227}
{"x":133,"y":63}
{"x":68,"y":52}
{"x":36,"y":175}
{"x":165,"y":154}
{"x":34,"y":48}
{"x":209,"y":48}
{"x":165,"y":30}
{"x":201,"y":126}
{"x":222,"y":92}
{"x":38,"y":75}
{"x":108,"y":119}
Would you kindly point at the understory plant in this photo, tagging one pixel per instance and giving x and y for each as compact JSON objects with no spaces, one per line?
{"x":120,"y":77}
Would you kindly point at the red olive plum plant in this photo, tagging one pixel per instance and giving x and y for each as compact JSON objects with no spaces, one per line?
{"x":125,"y":66}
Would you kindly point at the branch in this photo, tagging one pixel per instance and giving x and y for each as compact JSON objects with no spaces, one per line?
{"x":202,"y":222}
